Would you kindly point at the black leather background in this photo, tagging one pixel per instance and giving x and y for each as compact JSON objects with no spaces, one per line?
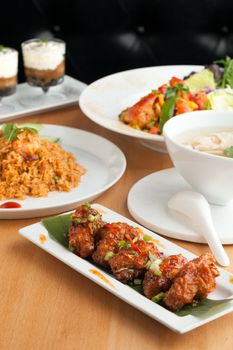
{"x":106,"y":36}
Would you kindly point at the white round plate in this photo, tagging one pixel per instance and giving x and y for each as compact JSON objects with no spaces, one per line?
{"x":103,"y":100}
{"x":147,"y":203}
{"x":105,"y":164}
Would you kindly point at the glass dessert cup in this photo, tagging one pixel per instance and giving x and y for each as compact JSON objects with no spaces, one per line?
{"x":44,"y":67}
{"x":8,"y":77}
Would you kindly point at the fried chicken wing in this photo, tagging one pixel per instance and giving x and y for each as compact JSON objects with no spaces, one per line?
{"x":158,"y":281}
{"x":130,"y":261}
{"x":142,"y":112}
{"x":110,"y":239}
{"x":195,"y":280}
{"x":86,"y":222}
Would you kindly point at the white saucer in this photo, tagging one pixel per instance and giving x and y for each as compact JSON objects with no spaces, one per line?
{"x":147,"y":203}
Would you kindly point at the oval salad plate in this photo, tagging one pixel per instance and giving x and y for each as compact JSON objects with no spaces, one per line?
{"x":103,"y":100}
{"x":104,"y":162}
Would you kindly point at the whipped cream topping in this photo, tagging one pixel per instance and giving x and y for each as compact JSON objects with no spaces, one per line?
{"x":43,"y":55}
{"x":8,"y":63}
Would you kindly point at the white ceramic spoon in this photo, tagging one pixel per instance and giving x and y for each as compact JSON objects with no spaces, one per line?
{"x":194,"y":206}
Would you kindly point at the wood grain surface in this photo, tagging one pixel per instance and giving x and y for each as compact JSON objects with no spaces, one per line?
{"x":44,"y":304}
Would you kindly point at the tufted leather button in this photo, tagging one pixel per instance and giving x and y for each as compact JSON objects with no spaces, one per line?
{"x":141,"y":29}
{"x":225,"y":29}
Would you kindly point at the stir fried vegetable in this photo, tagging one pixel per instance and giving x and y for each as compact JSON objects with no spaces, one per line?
{"x":199,"y":91}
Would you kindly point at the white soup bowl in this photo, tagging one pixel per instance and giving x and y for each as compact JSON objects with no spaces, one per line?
{"x":209,"y":174}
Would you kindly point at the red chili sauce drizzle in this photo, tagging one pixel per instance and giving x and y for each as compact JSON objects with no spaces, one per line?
{"x":10,"y":205}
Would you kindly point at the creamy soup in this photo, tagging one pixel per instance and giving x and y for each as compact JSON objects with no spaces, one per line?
{"x":214,"y":142}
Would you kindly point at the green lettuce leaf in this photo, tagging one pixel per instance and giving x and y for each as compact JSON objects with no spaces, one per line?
{"x":58,"y":228}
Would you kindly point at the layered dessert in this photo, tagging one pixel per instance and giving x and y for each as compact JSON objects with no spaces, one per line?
{"x":8,"y":71}
{"x":44,"y":62}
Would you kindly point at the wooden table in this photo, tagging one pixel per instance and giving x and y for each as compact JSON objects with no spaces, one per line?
{"x":44,"y":304}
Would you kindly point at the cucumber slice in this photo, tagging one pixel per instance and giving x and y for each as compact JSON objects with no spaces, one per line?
{"x":52,"y":139}
{"x":201,"y":80}
{"x":35,"y":125}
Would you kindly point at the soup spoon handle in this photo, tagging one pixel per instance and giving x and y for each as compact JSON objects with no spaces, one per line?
{"x":196,"y":208}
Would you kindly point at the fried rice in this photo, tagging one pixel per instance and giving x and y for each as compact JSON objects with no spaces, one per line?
{"x":31,"y":166}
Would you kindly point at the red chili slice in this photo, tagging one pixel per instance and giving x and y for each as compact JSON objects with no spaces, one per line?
{"x":133,"y":245}
{"x":110,"y":228}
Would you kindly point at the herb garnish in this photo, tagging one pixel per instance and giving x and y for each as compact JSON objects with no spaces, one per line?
{"x":42,"y":40}
{"x":11,"y":131}
{"x":228,"y":152}
{"x":227,"y":78}
{"x":2,"y":47}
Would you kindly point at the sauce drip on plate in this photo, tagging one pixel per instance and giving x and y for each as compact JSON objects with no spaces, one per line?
{"x":10,"y":205}
{"x":102,"y":277}
{"x":42,"y":239}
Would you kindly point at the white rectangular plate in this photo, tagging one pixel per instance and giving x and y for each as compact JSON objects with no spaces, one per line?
{"x":70,"y":89}
{"x":124,"y":292}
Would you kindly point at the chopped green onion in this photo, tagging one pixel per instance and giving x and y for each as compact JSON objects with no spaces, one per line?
{"x":91,"y":218}
{"x":147,"y":238}
{"x":135,"y":239}
{"x":55,"y":179}
{"x":156,"y":272}
{"x":121,"y":244}
{"x":133,"y":252}
{"x":158,"y":297}
{"x":147,"y":265}
{"x":77,"y":220}
{"x":127,"y":246}
{"x":108,"y":256}
{"x":154,"y":267}
{"x":86,"y":206}
{"x":96,"y":217}
{"x":153,"y":257}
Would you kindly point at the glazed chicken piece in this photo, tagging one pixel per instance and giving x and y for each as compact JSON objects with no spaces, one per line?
{"x":142,"y":112}
{"x":195,"y":280}
{"x":110,"y":239}
{"x":160,"y":280}
{"x":129,"y":263}
{"x":86,"y":222}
